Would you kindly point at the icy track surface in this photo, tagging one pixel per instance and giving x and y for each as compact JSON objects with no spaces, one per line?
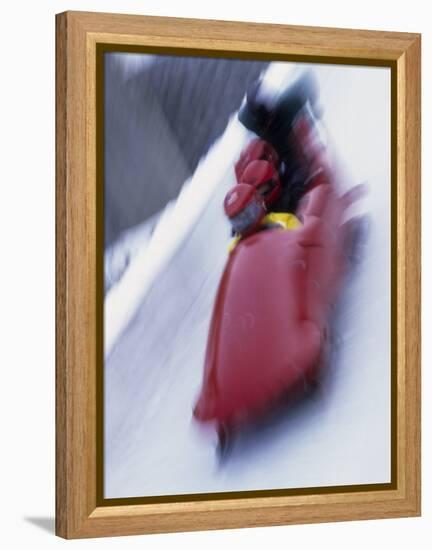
{"x":157,"y":318}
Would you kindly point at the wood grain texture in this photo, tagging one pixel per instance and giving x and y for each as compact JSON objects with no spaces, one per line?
{"x":77,"y":513}
{"x":237,"y":36}
{"x":412,"y":261}
{"x":76,"y":286}
{"x":61,"y":251}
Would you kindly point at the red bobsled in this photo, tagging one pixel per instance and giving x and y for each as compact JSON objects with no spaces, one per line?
{"x":269,"y":326}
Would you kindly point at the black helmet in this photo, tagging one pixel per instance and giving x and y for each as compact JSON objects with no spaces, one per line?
{"x":256,"y":111}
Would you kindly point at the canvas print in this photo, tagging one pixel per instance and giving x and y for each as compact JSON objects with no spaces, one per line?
{"x":247,"y":275}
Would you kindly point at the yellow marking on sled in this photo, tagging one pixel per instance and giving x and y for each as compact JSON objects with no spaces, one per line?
{"x":285,"y":220}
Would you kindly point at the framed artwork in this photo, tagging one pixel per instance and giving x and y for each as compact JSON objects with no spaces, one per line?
{"x":238,"y":274}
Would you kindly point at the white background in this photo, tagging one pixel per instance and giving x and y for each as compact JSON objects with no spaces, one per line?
{"x":27,"y":271}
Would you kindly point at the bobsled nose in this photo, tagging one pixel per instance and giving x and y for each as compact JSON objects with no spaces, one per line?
{"x":204,"y":408}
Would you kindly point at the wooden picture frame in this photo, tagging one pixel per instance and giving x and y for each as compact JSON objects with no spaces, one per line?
{"x":79,"y":512}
